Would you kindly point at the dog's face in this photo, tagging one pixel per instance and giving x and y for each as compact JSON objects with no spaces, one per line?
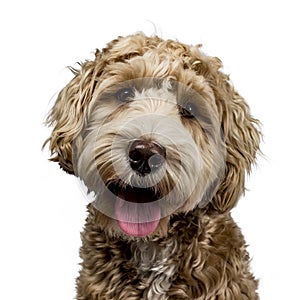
{"x":153,"y":128}
{"x":151,"y":147}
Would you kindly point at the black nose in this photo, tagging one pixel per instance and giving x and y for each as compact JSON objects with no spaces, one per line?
{"x":146,"y":157}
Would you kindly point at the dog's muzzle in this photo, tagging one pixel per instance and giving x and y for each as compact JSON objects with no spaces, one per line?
{"x":136,"y":208}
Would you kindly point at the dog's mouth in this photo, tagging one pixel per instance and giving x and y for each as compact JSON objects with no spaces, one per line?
{"x":136,"y":209}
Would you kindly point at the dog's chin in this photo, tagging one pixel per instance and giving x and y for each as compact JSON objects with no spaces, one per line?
{"x":136,"y":210}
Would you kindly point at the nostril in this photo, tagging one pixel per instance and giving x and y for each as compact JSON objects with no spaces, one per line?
{"x":156,"y":161}
{"x":145,"y":156}
{"x":135,"y":155}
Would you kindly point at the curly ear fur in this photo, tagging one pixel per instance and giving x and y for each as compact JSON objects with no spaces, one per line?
{"x":241,"y":134}
{"x":67,"y":114}
{"x":242,"y":137}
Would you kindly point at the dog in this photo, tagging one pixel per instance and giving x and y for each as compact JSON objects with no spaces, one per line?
{"x":161,"y":140}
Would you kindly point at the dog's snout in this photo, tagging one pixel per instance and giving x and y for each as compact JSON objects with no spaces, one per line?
{"x":146,"y":157}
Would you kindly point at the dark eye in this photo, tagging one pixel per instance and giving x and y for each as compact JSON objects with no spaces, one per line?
{"x":125,"y":94}
{"x":189,"y":110}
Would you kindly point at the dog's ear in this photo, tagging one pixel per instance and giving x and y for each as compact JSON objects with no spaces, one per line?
{"x":241,"y":135}
{"x":68,"y":113}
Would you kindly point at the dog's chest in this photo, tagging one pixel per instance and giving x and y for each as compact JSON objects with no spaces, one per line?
{"x":155,"y":265}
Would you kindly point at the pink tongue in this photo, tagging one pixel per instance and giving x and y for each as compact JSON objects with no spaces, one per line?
{"x":137,"y":219}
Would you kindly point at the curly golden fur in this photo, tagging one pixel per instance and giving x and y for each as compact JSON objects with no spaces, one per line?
{"x":187,"y":246}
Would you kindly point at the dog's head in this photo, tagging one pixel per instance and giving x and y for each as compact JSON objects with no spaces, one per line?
{"x":153,"y":128}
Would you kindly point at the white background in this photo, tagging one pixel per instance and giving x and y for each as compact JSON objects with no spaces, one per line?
{"x":42,"y":209}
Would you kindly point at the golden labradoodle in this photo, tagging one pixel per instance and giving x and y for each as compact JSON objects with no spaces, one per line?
{"x":161,"y":141}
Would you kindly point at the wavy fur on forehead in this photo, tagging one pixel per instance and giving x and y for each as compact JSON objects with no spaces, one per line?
{"x":241,"y":131}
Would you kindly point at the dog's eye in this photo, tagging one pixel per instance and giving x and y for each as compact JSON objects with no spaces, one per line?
{"x":125,"y":94}
{"x":189,"y":110}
